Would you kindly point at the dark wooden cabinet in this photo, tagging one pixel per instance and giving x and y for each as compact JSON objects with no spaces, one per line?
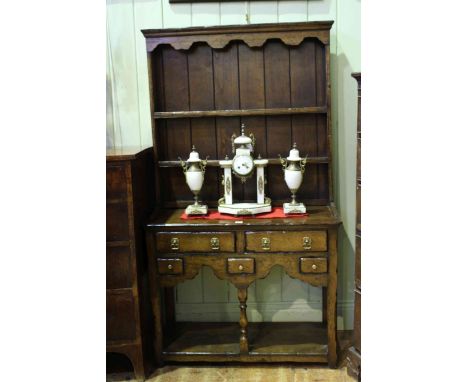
{"x":354,"y":353}
{"x":205,"y":83}
{"x":130,"y":199}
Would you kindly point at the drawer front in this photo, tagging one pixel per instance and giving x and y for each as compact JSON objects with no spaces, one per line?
{"x":195,"y":242}
{"x":116,"y":182}
{"x":118,"y":267}
{"x":120,"y":317}
{"x":170,"y":266}
{"x":286,"y":241}
{"x":117,"y":222}
{"x":241,"y":265}
{"x":312,"y":265}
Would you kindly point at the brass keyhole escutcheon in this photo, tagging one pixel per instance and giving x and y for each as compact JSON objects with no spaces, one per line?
{"x":241,"y":267}
{"x":266,"y":243}
{"x":214,"y":243}
{"x":170,"y":267}
{"x":306,"y":242}
{"x":175,"y":243}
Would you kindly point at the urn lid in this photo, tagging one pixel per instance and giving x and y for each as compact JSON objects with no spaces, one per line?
{"x":243,"y":139}
{"x":194,"y":157}
{"x":294,"y":154}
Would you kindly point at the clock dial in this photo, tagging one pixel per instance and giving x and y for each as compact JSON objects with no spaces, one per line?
{"x":243,"y":165}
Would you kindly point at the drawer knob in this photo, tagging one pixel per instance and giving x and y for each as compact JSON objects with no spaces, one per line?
{"x":314,"y":267}
{"x":175,"y":243}
{"x":266,"y":243}
{"x":306,"y":242}
{"x":241,"y":267}
{"x":170,"y":267}
{"x":214,"y":243}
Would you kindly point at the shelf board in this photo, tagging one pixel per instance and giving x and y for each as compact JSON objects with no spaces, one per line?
{"x":240,"y":112}
{"x":215,"y":162}
{"x":277,"y":341}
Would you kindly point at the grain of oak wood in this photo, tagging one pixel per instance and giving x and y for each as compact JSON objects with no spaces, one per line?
{"x":204,"y":83}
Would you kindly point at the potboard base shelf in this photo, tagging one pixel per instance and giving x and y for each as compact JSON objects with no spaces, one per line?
{"x":303,"y":342}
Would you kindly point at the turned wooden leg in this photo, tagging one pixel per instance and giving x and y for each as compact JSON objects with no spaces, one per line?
{"x":243,"y":322}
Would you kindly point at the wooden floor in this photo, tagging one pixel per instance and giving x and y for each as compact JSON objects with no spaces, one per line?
{"x":243,"y":374}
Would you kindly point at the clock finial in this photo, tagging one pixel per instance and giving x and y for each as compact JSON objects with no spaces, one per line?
{"x":294,"y":145}
{"x":242,"y":129}
{"x":193,"y":148}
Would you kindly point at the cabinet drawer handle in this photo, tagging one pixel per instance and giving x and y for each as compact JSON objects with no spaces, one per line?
{"x":266,"y":243}
{"x":175,"y":244}
{"x":306,"y":242}
{"x":170,"y":267}
{"x":241,"y":267}
{"x":214,"y":243}
{"x":314,"y":267}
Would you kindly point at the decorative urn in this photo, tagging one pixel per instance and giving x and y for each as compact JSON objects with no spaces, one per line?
{"x":293,"y":167}
{"x":194,"y":170}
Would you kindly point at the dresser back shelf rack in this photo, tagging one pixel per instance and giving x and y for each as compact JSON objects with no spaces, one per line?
{"x":205,"y":83}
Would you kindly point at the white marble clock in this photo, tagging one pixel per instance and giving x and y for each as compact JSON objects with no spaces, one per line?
{"x":242,"y":166}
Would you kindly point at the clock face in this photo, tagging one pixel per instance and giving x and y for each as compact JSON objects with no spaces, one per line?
{"x":243,"y":165}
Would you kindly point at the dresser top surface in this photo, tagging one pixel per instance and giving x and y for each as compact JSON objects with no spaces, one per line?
{"x":318,"y":216}
{"x":125,"y":152}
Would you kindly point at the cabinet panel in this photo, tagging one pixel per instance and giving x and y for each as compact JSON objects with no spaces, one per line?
{"x":116,"y":182}
{"x":117,"y":222}
{"x":118,"y":267}
{"x":120,"y":317}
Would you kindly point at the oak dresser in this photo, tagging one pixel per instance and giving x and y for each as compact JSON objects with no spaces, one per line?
{"x":205,"y":83}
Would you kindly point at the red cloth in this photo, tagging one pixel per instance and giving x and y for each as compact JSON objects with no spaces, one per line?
{"x":276,"y":212}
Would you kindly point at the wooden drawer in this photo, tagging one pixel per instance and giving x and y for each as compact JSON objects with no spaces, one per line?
{"x":117,"y":222}
{"x":312,"y":265}
{"x":170,"y":266}
{"x":118,"y":267}
{"x":120,"y":317}
{"x":116,"y":182}
{"x":195,"y":242}
{"x":241,"y":265}
{"x":286,"y":241}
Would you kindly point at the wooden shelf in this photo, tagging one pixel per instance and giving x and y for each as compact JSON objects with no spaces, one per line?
{"x":215,"y":162}
{"x":276,"y":341}
{"x":241,"y":112}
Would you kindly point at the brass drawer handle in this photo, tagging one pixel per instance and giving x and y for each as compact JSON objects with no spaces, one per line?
{"x":306,"y":242}
{"x":214,"y":243}
{"x":314,"y":267}
{"x":241,"y":267}
{"x":170,"y":267}
{"x":175,"y":244}
{"x":266,"y":243}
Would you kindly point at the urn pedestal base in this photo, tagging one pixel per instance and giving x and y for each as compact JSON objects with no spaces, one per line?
{"x":296,"y":208}
{"x":195,"y":209}
{"x":244,"y":208}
